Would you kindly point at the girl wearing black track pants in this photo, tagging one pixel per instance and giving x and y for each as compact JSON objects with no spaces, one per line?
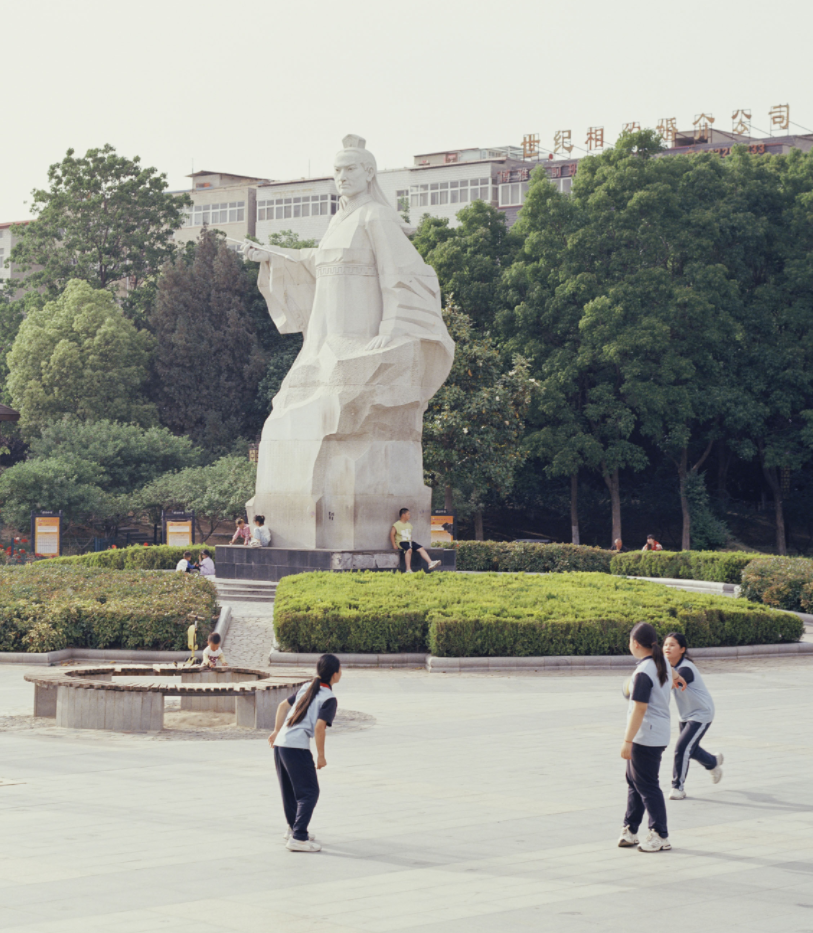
{"x":696,"y":709}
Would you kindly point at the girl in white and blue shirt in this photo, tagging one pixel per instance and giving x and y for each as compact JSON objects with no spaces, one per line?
{"x":696,"y":709}
{"x":301,"y":717}
{"x":645,"y":739}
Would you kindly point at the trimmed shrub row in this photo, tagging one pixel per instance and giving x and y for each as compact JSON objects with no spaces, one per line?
{"x":44,"y":607}
{"x":781,"y":582}
{"x":717,"y":566}
{"x":521,"y":556}
{"x":135,"y":557}
{"x":506,"y":615}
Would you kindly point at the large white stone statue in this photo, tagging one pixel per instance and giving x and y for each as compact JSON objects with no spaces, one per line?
{"x":341,"y":449}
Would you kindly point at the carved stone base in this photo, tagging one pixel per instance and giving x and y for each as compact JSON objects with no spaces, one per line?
{"x":239,"y":562}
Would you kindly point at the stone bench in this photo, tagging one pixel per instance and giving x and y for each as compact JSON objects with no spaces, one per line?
{"x":90,"y":698}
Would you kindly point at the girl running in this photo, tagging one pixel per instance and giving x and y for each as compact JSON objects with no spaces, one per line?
{"x":304,"y":716}
{"x":647,"y":735}
{"x":696,"y":709}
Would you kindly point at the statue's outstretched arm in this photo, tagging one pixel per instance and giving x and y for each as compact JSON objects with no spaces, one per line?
{"x":287,"y":281}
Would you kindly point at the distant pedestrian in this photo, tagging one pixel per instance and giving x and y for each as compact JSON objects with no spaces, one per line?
{"x":646,"y":737}
{"x":401,"y":538}
{"x":618,"y":546}
{"x":696,"y":709}
{"x":304,"y":716}
{"x":207,"y":565}
{"x":243,"y":533}
{"x":652,"y":544}
{"x":260,"y":535}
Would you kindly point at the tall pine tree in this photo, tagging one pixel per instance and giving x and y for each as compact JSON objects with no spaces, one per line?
{"x":208,"y":361}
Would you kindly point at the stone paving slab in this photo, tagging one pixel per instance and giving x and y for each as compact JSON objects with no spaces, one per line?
{"x":476,"y":802}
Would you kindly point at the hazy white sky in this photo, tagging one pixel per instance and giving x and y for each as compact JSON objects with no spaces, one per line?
{"x":269,"y":88}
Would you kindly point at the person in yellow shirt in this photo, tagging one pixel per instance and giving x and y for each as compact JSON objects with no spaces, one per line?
{"x":401,"y":539}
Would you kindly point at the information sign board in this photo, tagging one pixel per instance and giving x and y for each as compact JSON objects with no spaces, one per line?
{"x":443,"y":527}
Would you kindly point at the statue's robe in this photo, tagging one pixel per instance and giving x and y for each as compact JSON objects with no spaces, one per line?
{"x":341,"y":451}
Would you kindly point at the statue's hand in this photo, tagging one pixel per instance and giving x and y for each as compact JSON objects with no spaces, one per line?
{"x":253,"y":253}
{"x":378,"y":342}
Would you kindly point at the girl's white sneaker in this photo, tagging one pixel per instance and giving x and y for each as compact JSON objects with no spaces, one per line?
{"x":302,"y":845}
{"x":677,"y":794}
{"x":628,"y":838}
{"x":289,"y":833}
{"x":655,"y":843}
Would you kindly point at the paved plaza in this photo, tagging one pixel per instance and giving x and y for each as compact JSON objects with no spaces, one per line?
{"x":456,"y":803}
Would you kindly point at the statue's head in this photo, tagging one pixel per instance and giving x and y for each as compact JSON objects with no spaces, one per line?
{"x":354,"y":167}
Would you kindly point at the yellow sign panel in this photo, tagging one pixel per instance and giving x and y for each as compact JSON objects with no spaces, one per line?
{"x":442,"y":529}
{"x":179,"y":534}
{"x":46,"y":536}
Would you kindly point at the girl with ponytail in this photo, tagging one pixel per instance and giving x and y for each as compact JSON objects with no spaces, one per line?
{"x":696,"y":710}
{"x":304,"y":716}
{"x":647,"y":735}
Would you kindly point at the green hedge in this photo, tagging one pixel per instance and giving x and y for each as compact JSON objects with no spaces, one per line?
{"x":781,"y":582}
{"x":46,"y":607}
{"x":717,"y":566}
{"x":136,"y":557}
{"x":521,"y":556}
{"x":504,"y":615}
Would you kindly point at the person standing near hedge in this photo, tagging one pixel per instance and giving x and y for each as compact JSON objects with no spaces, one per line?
{"x":401,"y":538}
{"x":646,"y":737}
{"x":302,"y":717}
{"x":652,"y":544}
{"x":696,"y":709}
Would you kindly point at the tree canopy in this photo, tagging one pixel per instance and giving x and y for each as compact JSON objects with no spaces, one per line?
{"x":105,"y":219}
{"x":79,"y":355}
{"x":208,"y":360}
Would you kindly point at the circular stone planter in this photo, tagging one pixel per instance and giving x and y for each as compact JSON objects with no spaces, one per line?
{"x":90,"y":698}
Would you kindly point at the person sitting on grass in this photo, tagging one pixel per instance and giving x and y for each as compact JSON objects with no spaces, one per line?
{"x":185,"y":564}
{"x":213,"y":653}
{"x":401,"y":539}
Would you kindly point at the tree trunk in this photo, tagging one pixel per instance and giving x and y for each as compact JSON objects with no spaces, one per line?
{"x":448,"y":498}
{"x":574,"y":508}
{"x":724,"y":457}
{"x":773,"y":477}
{"x":613,"y":482}
{"x":478,"y":525}
{"x":683,"y":470}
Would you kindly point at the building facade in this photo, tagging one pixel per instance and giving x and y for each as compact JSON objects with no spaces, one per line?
{"x":7,"y":242}
{"x":439,"y":184}
{"x":223,"y":202}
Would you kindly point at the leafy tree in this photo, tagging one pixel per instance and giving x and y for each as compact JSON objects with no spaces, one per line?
{"x":124,"y":457}
{"x":208,"y":361}
{"x":473,"y":426}
{"x":769,"y":232}
{"x":217,"y":492}
{"x":579,"y":419}
{"x":79,"y":356}
{"x":469,"y":259}
{"x":51,"y":484}
{"x":105,"y":219}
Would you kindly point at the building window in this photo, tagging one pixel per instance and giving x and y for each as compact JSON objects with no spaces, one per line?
{"x":513,"y":194}
{"x":307,"y":206}
{"x":439,"y":192}
{"x":459,"y":192}
{"x":402,"y":199}
{"x":419,"y":195}
{"x":480,"y":188}
{"x":230,"y":212}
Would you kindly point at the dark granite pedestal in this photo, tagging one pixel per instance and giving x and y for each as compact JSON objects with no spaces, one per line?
{"x":239,"y":562}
